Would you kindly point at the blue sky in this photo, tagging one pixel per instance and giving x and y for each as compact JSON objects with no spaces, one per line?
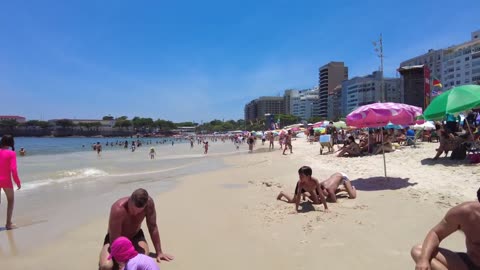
{"x":201,"y":60}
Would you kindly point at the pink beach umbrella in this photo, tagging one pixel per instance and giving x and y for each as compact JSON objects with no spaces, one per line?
{"x":381,"y":114}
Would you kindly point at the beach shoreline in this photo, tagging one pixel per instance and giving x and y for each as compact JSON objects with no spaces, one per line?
{"x":229,"y":218}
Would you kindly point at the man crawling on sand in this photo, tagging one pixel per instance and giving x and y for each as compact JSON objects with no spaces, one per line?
{"x":336,"y":183}
{"x":126,"y":217}
{"x":307,"y":186}
{"x":464,"y":217}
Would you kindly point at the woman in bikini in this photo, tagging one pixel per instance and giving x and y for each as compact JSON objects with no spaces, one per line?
{"x":352,"y":149}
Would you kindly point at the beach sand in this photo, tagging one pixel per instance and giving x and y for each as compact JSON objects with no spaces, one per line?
{"x":230,"y":218}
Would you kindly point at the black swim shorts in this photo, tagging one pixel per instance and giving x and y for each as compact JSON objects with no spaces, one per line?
{"x":296,"y":190}
{"x":468,"y":262}
{"x":136,"y":238}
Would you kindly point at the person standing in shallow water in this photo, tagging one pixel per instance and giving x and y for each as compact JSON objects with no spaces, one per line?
{"x":8,"y":170}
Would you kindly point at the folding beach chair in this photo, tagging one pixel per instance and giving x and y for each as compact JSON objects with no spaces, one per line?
{"x":326,"y":141}
{"x":412,"y":139}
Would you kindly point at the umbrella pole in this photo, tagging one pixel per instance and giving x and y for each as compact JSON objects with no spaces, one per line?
{"x":368,"y":146}
{"x":469,"y":130}
{"x":384,"y":162}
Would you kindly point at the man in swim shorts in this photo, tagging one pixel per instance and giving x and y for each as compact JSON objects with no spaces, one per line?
{"x":126,"y":217}
{"x":464,"y":217}
{"x":336,"y":183}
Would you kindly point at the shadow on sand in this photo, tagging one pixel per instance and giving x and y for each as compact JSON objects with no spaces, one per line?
{"x":445,"y":161}
{"x":306,"y":207}
{"x":380,"y":183}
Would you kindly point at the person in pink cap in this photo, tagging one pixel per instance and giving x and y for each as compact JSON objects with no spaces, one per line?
{"x":123,"y":252}
{"x":126,"y":217}
{"x":8,"y":170}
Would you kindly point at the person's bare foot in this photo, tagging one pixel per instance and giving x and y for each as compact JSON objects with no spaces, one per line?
{"x":279,"y":197}
{"x":10,"y":226}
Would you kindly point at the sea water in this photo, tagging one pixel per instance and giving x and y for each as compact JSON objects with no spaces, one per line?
{"x":69,"y":186}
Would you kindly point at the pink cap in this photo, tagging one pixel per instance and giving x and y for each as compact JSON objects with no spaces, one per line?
{"x":122,"y":250}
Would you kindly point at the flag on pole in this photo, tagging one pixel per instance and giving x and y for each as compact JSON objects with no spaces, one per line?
{"x":436,"y":82}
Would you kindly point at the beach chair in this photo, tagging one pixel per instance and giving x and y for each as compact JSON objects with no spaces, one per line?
{"x":326,"y":141}
{"x":412,"y":138}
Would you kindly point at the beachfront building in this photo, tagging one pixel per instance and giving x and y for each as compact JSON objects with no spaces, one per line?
{"x":461,"y":63}
{"x":335,"y":103}
{"x":301,"y":103}
{"x":453,"y":66}
{"x":414,"y":82}
{"x":329,"y":76}
{"x":258,"y":108}
{"x":103,"y":123}
{"x":433,"y":59}
{"x":19,"y":119}
{"x":365,"y":90}
{"x":185,"y":130}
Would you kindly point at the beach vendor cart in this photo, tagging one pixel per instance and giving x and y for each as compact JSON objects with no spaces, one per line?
{"x":326,"y":141}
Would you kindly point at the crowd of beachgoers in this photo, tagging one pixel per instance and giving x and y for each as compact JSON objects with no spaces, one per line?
{"x":125,"y":245}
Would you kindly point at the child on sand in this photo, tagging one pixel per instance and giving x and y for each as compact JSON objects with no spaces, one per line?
{"x":307,"y":186}
{"x":127,"y":257}
{"x":206,"y":147}
{"x":152,"y":153}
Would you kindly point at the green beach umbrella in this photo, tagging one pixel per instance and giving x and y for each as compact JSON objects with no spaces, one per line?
{"x":455,"y":100}
{"x":340,"y":124}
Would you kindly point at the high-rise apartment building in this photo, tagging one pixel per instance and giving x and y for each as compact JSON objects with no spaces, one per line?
{"x":301,"y":103}
{"x":365,"y":90}
{"x":453,"y":66}
{"x":329,"y":76}
{"x":256,"y":109}
{"x":461,"y":63}
{"x":433,"y":59}
{"x":335,"y":103}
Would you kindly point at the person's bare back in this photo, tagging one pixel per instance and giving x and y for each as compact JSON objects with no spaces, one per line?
{"x":467,"y":215}
{"x":464,"y":217}
{"x":332,"y":185}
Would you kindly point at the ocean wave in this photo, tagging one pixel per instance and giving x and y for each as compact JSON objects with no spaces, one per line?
{"x":81,"y":173}
{"x":65,"y":176}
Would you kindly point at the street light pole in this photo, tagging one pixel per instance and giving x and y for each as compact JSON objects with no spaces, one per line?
{"x":379,"y":51}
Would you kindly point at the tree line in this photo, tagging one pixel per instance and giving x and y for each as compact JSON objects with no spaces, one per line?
{"x":148,"y":124}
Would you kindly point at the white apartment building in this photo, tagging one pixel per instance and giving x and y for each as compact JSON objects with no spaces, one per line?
{"x":461,"y":63}
{"x":301,"y":103}
{"x":360,"y":91}
{"x":456,"y":65}
{"x":433,"y":59}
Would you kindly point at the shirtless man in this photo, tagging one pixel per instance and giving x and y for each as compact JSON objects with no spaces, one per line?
{"x":126,"y":217}
{"x":336,"y":183}
{"x":464,"y":217}
{"x":288,"y":142}
{"x":307,"y":186}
